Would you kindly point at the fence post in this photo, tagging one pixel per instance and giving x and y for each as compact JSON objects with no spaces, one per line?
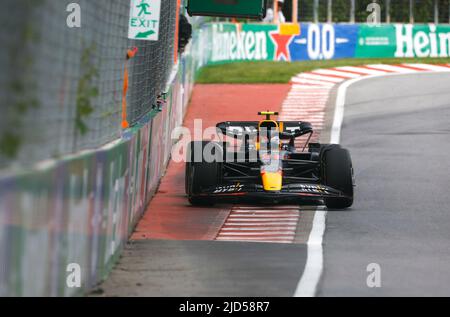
{"x":330,"y":11}
{"x":295,"y":11}
{"x":275,"y":11}
{"x":411,"y":11}
{"x":436,"y":11}
{"x":316,"y":11}
{"x":388,"y":11}
{"x":352,"y":11}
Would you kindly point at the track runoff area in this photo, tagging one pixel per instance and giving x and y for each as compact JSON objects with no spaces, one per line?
{"x":317,"y":97}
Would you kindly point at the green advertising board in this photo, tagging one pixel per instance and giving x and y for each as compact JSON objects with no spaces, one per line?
{"x":251,"y":9}
{"x":376,"y":41}
{"x":245,"y":42}
{"x":403,"y":41}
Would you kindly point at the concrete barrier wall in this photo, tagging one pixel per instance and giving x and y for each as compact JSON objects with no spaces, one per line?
{"x":80,"y":210}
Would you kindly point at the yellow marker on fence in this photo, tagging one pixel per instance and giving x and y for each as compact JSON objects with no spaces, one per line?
{"x":177,"y":32}
{"x":130,"y":54}
{"x":290,"y":29}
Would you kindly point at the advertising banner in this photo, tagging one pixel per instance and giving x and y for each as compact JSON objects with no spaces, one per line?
{"x":324,"y":41}
{"x":376,"y":41}
{"x":404,"y":41}
{"x":241,"y":42}
{"x":267,"y":42}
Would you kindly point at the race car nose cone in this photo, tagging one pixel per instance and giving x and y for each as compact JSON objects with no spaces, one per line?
{"x":272,"y":181}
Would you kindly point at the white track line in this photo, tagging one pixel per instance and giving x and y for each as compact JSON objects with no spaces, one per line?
{"x":339,"y":109}
{"x":307,"y":286}
{"x":314,"y":264}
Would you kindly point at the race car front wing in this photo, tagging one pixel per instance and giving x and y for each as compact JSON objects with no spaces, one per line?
{"x":291,"y":191}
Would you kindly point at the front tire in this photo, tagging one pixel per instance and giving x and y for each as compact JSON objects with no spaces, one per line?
{"x":202,"y":174}
{"x":338,"y":174}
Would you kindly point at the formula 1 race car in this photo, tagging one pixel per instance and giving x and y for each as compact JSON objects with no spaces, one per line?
{"x":266,"y":166}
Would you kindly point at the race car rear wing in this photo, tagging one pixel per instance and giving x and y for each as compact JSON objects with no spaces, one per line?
{"x":238,"y":129}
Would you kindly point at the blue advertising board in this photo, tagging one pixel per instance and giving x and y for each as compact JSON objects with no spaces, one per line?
{"x":324,"y":41}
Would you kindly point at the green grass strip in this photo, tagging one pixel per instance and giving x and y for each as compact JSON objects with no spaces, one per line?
{"x":281,"y":72}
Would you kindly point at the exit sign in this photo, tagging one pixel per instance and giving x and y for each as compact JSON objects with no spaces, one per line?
{"x":250,"y":9}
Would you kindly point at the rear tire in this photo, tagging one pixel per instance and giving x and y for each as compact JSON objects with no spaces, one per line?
{"x":201,"y":175}
{"x":338,"y":174}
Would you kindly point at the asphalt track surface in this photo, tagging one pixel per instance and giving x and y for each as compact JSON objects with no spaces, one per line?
{"x":397,"y":129}
{"x":207,"y":268}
